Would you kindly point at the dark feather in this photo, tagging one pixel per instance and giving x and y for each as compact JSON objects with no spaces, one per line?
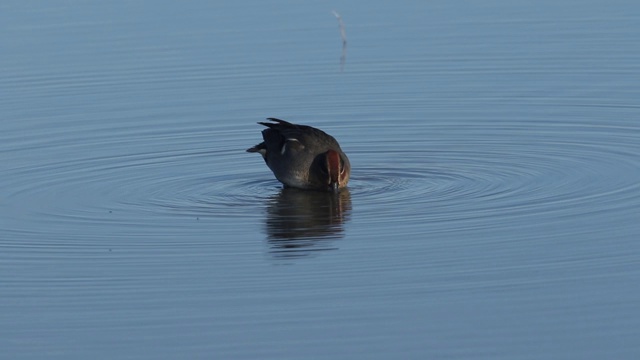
{"x":302,"y":133}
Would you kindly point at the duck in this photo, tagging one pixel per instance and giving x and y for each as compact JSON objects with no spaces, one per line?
{"x":303,"y":157}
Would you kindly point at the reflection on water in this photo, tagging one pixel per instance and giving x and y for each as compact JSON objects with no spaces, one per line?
{"x":299,"y":221}
{"x":343,"y":56}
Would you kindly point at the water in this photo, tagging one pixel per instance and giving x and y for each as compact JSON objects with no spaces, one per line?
{"x":492,"y":212}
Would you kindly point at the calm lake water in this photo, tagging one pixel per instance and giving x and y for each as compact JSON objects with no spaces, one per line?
{"x":493,"y":211}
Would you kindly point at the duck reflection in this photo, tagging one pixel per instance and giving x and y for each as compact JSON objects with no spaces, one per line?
{"x":299,"y":222}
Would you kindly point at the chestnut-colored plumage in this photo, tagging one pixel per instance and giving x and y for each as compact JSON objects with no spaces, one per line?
{"x":302,"y":156}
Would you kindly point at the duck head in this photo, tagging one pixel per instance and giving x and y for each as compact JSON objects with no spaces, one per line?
{"x":331,"y":170}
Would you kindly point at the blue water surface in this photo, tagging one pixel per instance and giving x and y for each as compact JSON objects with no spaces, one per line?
{"x":492,"y":211}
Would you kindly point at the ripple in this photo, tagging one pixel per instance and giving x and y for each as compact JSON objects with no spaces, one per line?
{"x":558,"y":174}
{"x":516,"y":171}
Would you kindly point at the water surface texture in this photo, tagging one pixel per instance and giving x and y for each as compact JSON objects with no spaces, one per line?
{"x":493,"y":211}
